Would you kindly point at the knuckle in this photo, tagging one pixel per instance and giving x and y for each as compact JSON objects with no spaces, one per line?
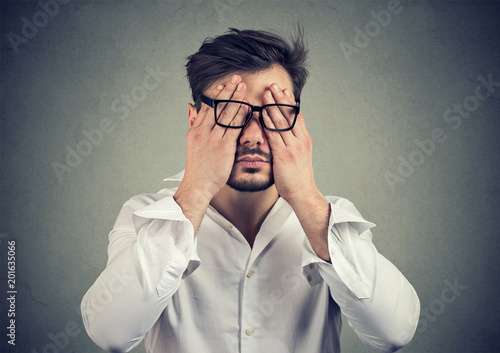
{"x":204,"y":109}
{"x":283,"y":123}
{"x":195,"y":137}
{"x":217,"y":144}
{"x":220,"y":145}
{"x":225,"y":115}
{"x":289,"y":156}
{"x":238,"y":96}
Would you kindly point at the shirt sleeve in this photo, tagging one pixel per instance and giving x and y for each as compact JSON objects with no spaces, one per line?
{"x":151,"y":249}
{"x":380,"y":304}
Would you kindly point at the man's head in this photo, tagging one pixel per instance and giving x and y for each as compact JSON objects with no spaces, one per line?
{"x":246,"y":51}
{"x":260,"y":59}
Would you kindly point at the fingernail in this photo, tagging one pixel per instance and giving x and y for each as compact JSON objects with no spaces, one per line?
{"x":287,"y":93}
{"x":239,"y":87}
{"x":234,"y":79}
{"x":219,"y":87}
{"x":276,"y":88}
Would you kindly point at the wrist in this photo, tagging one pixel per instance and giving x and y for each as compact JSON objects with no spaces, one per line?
{"x":190,"y":193}
{"x":306,"y":198}
{"x":311,"y":206}
{"x":313,"y":212}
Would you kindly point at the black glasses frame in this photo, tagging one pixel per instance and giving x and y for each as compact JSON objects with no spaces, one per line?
{"x":254,"y":108}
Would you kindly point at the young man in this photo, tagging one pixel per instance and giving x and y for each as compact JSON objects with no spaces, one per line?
{"x":246,"y":255}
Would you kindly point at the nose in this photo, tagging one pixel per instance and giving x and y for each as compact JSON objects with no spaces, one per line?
{"x":253,"y":134}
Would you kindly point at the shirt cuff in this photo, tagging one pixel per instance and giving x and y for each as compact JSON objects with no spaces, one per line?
{"x":165,"y":208}
{"x":177,"y":177}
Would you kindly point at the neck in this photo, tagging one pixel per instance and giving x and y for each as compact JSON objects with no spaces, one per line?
{"x":245,"y":210}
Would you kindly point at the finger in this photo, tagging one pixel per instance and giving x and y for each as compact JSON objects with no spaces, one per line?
{"x":275,"y":138}
{"x":291,"y":100}
{"x":240,"y":113}
{"x":230,"y":114}
{"x":284,"y":97}
{"x":219,"y":92}
{"x":200,"y":116}
{"x":233,"y":91}
{"x":205,"y":116}
{"x":239,"y":118}
{"x":299,"y":130}
{"x":279,"y":95}
{"x":229,"y":88}
{"x":281,"y":117}
{"x":290,"y":96}
{"x":301,"y":124}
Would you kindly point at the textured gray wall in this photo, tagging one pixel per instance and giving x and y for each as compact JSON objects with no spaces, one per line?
{"x":367,"y":100}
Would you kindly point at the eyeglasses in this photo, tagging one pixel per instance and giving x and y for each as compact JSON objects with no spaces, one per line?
{"x":237,"y":114}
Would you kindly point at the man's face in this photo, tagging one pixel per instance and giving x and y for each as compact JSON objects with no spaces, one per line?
{"x":252,"y":170}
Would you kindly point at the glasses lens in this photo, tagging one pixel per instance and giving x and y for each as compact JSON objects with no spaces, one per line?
{"x":279,"y":117}
{"x":231,"y":114}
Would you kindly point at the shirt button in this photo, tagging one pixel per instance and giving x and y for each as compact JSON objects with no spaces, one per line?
{"x":249,"y":274}
{"x":311,"y":266}
{"x":249,"y":331}
{"x":309,"y":278}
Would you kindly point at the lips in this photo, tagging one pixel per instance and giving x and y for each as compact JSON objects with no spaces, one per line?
{"x":252,"y":161}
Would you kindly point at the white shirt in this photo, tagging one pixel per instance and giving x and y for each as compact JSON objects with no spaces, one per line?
{"x":213,"y":293}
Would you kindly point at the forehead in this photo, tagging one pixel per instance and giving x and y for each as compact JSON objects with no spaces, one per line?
{"x":258,"y":82}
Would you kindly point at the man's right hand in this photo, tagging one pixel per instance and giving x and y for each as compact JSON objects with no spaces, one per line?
{"x":210,"y":153}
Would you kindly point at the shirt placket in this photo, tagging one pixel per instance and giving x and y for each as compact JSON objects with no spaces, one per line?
{"x":251,"y":320}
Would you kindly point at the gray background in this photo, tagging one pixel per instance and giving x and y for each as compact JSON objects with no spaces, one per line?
{"x":438,"y":225}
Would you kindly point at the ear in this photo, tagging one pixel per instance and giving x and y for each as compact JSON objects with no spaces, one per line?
{"x":192,"y":114}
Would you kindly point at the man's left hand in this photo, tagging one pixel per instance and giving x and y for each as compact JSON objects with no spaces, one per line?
{"x":291,"y":150}
{"x":293,"y":171}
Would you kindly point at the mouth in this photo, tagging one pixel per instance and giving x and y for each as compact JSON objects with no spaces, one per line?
{"x":252,"y":161}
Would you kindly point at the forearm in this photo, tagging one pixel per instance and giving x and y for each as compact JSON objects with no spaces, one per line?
{"x":313,"y":213}
{"x":193,"y":201}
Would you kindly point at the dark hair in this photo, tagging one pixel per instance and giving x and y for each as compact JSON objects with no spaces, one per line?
{"x":246,"y":51}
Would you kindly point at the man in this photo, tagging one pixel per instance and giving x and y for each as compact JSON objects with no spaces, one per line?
{"x":246,"y":255}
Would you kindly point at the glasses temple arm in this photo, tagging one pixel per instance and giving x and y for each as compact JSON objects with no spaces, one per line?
{"x":205,"y":99}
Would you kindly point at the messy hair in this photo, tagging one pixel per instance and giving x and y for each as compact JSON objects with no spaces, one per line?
{"x":248,"y":51}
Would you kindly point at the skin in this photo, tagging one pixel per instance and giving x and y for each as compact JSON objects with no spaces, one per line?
{"x":210,"y":161}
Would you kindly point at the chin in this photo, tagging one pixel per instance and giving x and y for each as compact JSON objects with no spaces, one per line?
{"x":250,"y":182}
